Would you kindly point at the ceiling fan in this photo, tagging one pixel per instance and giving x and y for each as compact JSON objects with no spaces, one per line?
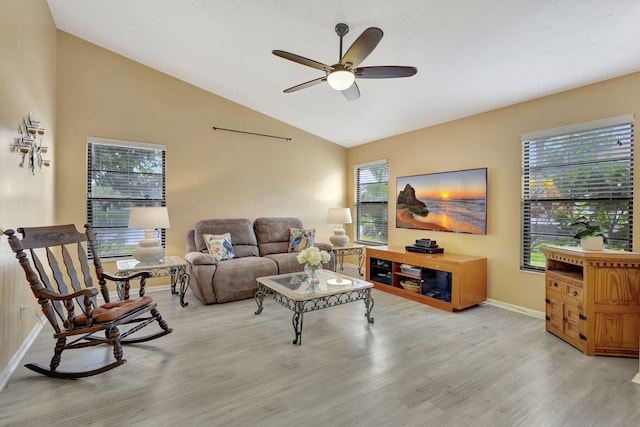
{"x":341,"y":76}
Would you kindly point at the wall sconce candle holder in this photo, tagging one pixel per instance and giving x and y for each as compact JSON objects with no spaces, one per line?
{"x":29,"y":145}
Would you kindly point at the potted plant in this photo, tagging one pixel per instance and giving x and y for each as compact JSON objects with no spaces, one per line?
{"x":590,"y":235}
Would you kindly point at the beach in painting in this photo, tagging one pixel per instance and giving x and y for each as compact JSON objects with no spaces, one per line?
{"x":460,"y":216}
{"x":454,"y":201}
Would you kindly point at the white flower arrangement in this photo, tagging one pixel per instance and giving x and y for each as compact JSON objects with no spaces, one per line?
{"x":313,"y":256}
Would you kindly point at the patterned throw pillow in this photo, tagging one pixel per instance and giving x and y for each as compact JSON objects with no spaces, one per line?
{"x":219,"y":245}
{"x":300,"y":239}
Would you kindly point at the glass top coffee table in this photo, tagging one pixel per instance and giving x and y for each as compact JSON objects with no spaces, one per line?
{"x":293,"y":292}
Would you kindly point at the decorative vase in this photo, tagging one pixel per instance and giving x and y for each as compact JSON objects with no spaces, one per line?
{"x":592,"y":243}
{"x":313,"y":274}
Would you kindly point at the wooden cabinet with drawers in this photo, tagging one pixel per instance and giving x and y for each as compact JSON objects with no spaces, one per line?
{"x":593,"y":299}
{"x":447,"y":281}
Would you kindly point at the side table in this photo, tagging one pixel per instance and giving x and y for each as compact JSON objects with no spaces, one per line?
{"x":353,"y":249}
{"x":169,"y":266}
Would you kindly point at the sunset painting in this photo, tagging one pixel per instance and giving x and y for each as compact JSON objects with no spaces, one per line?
{"x":447,"y":201}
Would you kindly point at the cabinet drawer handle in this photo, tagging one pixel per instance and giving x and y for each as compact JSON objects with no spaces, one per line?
{"x":555,"y":284}
{"x":574,"y":293}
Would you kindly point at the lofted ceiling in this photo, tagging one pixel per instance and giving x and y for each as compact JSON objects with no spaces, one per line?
{"x":472,"y":56}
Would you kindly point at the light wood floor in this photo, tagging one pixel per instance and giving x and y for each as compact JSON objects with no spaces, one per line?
{"x":415,"y":366}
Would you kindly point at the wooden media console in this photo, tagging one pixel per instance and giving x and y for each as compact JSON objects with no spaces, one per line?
{"x":446,"y":281}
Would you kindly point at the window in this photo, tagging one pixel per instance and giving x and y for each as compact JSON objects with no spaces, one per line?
{"x":372,"y":192}
{"x":580,"y":170}
{"x":121,"y":175}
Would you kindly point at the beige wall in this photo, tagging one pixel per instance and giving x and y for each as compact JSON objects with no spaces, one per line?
{"x":27,"y":84}
{"x":210,"y":174}
{"x":220,"y":174}
{"x":492,"y":140}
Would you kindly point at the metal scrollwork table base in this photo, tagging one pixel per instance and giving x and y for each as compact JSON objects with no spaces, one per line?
{"x":170,"y":266}
{"x":293,"y":292}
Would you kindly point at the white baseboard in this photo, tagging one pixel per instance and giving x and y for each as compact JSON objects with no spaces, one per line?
{"x":15,"y":360}
{"x":511,"y":307}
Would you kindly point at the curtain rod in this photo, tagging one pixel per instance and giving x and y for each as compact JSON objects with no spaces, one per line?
{"x":252,"y":133}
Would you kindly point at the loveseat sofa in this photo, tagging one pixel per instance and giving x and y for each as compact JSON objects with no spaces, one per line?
{"x":260,"y":248}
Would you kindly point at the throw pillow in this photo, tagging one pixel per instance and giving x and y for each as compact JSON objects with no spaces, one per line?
{"x":300,"y":239}
{"x":219,"y":245}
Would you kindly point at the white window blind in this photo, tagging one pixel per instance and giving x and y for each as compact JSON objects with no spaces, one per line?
{"x":121,"y":175}
{"x":371,"y":204}
{"x":579,"y":170}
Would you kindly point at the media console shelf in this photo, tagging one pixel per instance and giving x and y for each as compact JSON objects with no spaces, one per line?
{"x":593,"y":299}
{"x":446,"y":281}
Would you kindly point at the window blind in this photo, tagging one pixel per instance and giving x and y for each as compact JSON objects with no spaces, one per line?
{"x":581,"y":170}
{"x":371,"y":204}
{"x":121,"y":175}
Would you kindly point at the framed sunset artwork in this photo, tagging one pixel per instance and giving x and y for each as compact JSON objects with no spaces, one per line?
{"x":445,"y":201}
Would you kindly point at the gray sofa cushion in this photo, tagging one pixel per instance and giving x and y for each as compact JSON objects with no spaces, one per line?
{"x":287,"y":262}
{"x":235,"y":279}
{"x":243,"y":237}
{"x":273,"y":234}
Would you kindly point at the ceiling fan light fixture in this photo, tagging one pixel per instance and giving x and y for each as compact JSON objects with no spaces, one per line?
{"x":341,"y":79}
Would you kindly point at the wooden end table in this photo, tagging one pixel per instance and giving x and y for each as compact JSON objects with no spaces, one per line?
{"x":169,"y":266}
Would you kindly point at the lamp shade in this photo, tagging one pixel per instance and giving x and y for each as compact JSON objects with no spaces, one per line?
{"x":339,"y":216}
{"x":341,"y":79}
{"x":149,"y":217}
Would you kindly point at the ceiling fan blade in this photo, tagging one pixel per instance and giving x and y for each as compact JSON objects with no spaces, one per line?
{"x":302,"y":60}
{"x":352,"y":92}
{"x":362,"y":47}
{"x":384,"y":72}
{"x":306,"y":84}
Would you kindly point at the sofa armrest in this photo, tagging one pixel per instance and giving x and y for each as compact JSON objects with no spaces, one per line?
{"x":200,"y":258}
{"x":331,"y":264}
{"x":324,"y":246}
{"x":202,"y":268}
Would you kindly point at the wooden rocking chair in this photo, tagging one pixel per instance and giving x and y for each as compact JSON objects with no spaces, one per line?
{"x":74,"y":303}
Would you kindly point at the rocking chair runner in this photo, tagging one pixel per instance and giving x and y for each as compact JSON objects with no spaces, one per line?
{"x":74,"y":303}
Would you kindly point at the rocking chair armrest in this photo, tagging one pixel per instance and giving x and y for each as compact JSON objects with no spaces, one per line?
{"x":88,"y":292}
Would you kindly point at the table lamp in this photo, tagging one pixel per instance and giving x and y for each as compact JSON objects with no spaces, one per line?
{"x":149,"y":218}
{"x":339,"y":216}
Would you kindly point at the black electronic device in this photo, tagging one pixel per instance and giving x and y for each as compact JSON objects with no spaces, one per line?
{"x":426,"y":243}
{"x":435,"y":250}
{"x":423,"y":250}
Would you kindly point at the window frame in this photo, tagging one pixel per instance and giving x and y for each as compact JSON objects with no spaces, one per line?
{"x":555,"y":195}
{"x":110,"y":233}
{"x":358,"y":204}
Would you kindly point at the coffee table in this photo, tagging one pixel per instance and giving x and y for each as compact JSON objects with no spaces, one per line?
{"x":293,"y":292}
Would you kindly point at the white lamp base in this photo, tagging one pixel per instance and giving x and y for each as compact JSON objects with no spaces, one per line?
{"x":149,"y":250}
{"x":339,"y":238}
